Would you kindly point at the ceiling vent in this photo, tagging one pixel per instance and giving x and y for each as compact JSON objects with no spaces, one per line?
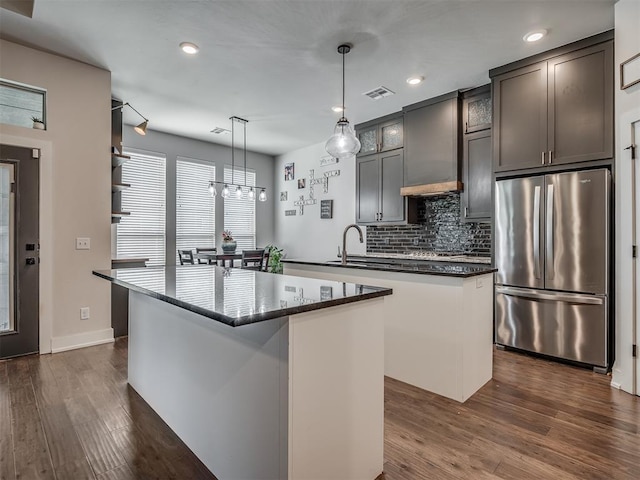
{"x":220,"y":130}
{"x":379,"y":92}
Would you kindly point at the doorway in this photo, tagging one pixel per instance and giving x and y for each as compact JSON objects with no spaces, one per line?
{"x":19,"y":251}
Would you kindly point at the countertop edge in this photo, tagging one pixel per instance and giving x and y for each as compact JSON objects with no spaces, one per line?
{"x":484,"y":269}
{"x":246,"y":319}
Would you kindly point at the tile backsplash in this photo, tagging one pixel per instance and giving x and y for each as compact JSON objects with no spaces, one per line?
{"x":439,"y":229}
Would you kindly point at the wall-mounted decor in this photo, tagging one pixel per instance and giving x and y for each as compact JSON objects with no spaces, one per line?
{"x":290,"y":213}
{"x":302,"y":202}
{"x":328,"y":160}
{"x":331,"y":173}
{"x":289,"y":173}
{"x":284,"y":196}
{"x":326,"y":293}
{"x":630,"y":72}
{"x":287,"y":288}
{"x":326,"y":208}
{"x":302,"y":182}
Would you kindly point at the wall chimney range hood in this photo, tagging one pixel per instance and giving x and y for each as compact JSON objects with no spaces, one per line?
{"x":431,"y":189}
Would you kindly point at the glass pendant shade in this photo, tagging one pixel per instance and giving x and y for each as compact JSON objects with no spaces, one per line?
{"x":238,"y":192}
{"x":251,"y":195}
{"x":263,"y":195}
{"x":225,"y":191}
{"x":343,"y":143}
{"x":212,"y":189}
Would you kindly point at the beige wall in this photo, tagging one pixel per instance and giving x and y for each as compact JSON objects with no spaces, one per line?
{"x":75,"y":190}
{"x":627,"y":44}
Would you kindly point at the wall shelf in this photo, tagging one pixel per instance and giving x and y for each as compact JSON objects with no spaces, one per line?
{"x":118,"y":187}
{"x":118,"y":159}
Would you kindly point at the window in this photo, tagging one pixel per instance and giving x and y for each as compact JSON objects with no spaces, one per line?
{"x":142,"y":234}
{"x":195,"y":207}
{"x":240,"y":214}
{"x":19,"y":103}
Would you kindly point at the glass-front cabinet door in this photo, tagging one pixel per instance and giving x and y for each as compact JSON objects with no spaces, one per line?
{"x":7,"y":248}
{"x":368,"y":140}
{"x":391,"y":135}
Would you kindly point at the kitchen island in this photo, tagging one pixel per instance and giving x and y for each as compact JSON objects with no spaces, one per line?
{"x":262,"y":376}
{"x":438,"y":323}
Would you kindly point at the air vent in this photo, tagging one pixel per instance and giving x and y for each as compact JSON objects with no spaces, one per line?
{"x":378,"y":93}
{"x":220,"y":130}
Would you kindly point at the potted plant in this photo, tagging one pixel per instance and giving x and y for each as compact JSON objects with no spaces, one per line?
{"x":228,"y":243}
{"x":275,"y":255}
{"x":38,"y":123}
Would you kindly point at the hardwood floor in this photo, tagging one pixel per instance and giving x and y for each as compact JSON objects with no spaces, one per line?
{"x":72,"y":416}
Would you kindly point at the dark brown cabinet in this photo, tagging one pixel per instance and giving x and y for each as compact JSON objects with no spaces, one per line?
{"x":432,"y":141}
{"x":378,"y":183}
{"x":381,"y":135}
{"x":555,"y":111}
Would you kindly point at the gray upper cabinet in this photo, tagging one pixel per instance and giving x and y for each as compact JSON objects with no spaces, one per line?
{"x":381,"y":135}
{"x":559,"y":110}
{"x":477,"y":166}
{"x":477,"y":177}
{"x":432,"y":141}
{"x":378,"y":183}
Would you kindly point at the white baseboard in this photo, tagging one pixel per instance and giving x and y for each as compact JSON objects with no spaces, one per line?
{"x":616,"y":385}
{"x":81,"y":340}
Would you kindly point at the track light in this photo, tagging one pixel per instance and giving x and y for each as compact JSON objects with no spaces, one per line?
{"x":225,"y":191}
{"x":212,"y":189}
{"x":238,"y":192}
{"x":139,"y":129}
{"x":251,"y":195}
{"x":263,"y":195}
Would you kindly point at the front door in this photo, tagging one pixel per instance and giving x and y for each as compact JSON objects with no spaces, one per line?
{"x":19,"y":246}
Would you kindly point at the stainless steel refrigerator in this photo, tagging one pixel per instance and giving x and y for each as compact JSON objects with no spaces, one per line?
{"x":552,"y":255}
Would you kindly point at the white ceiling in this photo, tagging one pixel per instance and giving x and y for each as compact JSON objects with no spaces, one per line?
{"x":274,"y":62}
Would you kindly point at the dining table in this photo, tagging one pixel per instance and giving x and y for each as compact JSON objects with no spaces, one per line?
{"x":220,"y":259}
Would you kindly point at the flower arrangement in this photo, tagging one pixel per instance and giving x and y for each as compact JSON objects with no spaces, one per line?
{"x":36,"y":120}
{"x":227,"y":236}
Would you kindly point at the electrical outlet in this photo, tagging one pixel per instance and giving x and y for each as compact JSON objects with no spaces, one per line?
{"x":83,"y":243}
{"x":84,"y":313}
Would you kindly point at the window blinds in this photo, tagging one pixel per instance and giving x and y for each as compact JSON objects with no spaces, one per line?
{"x":142,"y":234}
{"x":195,"y":207}
{"x":240,"y":214}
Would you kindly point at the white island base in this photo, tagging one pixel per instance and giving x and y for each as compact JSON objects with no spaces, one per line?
{"x":298,"y":397}
{"x":438,"y":328}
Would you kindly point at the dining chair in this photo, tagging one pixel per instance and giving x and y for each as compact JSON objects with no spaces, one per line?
{"x":210,"y":261}
{"x":253,"y":259}
{"x":267,"y":255}
{"x":185,"y":257}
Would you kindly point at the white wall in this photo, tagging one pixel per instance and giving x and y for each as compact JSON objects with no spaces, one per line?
{"x":174,"y":146}
{"x":75,"y":191}
{"x":308,"y":235}
{"x":627,"y":103}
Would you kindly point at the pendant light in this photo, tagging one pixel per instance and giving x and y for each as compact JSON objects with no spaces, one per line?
{"x":343,"y":143}
{"x":238,"y":191}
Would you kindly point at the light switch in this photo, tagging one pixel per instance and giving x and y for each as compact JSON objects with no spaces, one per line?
{"x":83,"y":243}
{"x":84,"y":313}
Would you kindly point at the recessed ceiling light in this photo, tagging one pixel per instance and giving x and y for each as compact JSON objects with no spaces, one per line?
{"x":190,"y":48}
{"x":415,"y":80}
{"x":337,"y":109}
{"x":534,"y":36}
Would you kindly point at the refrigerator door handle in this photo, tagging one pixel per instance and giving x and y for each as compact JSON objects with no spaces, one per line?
{"x":536,"y":232}
{"x":558,"y":297}
{"x":549,"y":231}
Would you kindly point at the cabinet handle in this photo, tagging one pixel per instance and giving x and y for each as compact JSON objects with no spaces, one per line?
{"x":543,"y":158}
{"x":466,"y":212}
{"x":550,"y":157}
{"x":466,"y":127}
{"x":380,"y":215}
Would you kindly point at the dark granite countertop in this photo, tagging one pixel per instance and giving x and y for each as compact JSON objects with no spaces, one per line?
{"x":424,"y":267}
{"x":238,"y":297}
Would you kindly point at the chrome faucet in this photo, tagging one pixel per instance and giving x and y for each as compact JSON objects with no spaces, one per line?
{"x":344,"y":241}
